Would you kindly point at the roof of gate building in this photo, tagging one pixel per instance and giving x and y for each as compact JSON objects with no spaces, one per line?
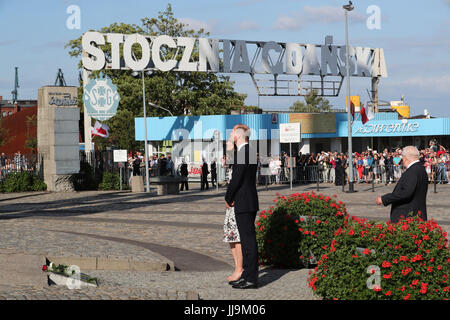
{"x":323,"y":125}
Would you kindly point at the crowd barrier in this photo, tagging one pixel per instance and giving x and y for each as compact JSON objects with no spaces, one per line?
{"x":101,"y":162}
{"x":17,"y":163}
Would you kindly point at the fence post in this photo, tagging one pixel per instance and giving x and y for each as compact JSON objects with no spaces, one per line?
{"x":120,"y":168}
{"x":318,"y":177}
{"x":373,"y":179}
{"x":343,"y":180}
{"x":435,"y":179}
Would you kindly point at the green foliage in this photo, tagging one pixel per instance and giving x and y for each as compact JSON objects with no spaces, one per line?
{"x":313,"y":103}
{"x":22,"y":182}
{"x":110,"y":181}
{"x":31,"y":139}
{"x":85,"y":179}
{"x":194,"y":93}
{"x":5,"y":137}
{"x":298,"y":229}
{"x":412,"y":257}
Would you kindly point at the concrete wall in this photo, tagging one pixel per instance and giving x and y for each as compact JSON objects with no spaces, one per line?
{"x":58,"y":134}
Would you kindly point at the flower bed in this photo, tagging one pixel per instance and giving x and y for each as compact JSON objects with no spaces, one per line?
{"x":298,"y":228}
{"x":404,"y":261}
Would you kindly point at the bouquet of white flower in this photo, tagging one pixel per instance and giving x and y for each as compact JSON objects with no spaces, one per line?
{"x":67,"y":275}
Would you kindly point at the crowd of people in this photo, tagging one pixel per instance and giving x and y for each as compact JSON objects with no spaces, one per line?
{"x":157,"y":166}
{"x":368,"y":166}
{"x":15,"y":163}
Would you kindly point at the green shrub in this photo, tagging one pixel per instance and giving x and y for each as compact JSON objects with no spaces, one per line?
{"x":110,"y":181}
{"x":85,"y":179}
{"x":297,"y":231}
{"x":409,"y":260}
{"x":21,"y":182}
{"x":38,"y":184}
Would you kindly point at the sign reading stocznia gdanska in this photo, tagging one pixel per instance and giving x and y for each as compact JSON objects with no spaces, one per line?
{"x":229,"y":56}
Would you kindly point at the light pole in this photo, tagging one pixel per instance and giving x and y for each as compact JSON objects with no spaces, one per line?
{"x":347,"y":8}
{"x":156,"y":106}
{"x":147,"y":183}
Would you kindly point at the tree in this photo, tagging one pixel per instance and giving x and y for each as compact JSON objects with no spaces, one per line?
{"x":5,"y":137}
{"x":31,"y":139}
{"x":194,"y":93}
{"x":313,"y":103}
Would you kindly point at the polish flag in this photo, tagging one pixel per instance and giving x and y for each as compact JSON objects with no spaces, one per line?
{"x":100,"y":130}
{"x":366,"y":113}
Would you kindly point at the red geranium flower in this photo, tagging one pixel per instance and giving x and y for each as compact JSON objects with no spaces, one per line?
{"x":44,"y":268}
{"x":377,"y":288}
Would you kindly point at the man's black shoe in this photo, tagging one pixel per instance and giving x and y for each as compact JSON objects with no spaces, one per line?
{"x":240,"y":280}
{"x":246,"y":285}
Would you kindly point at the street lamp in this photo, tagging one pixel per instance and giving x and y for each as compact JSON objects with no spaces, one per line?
{"x":156,"y":106}
{"x":147,"y":183}
{"x":348,"y":7}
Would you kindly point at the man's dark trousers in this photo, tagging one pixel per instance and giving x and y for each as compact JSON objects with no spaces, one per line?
{"x":246,"y":226}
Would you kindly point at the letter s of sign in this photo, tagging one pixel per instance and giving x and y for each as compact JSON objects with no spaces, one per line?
{"x":74,"y":20}
{"x":97,"y":61}
{"x":375,"y":279}
{"x":374,"y":20}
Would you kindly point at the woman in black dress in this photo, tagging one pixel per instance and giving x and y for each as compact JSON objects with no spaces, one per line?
{"x":339,"y":178}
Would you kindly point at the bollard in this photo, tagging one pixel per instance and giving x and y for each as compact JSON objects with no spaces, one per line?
{"x":373,"y":180}
{"x":435,"y":180}
{"x":318,"y":180}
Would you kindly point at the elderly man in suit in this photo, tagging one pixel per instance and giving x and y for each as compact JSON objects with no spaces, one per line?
{"x":242,"y":194}
{"x":410,"y":193}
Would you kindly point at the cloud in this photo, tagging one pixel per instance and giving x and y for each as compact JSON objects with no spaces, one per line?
{"x":289,"y":23}
{"x":323,"y":15}
{"x":248,"y":25}
{"x":431,"y":84}
{"x":249,"y":2}
{"x":8,"y":42}
{"x":198,"y":24}
{"x":216,"y":28}
{"x":330,"y":14}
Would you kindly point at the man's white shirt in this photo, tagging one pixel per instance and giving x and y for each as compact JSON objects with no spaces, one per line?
{"x":239,"y":148}
{"x":412,"y":164}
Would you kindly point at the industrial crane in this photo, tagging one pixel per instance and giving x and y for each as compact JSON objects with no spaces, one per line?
{"x":16,"y":85}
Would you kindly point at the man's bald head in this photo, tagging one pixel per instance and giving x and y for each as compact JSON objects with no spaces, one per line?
{"x":411,"y":153}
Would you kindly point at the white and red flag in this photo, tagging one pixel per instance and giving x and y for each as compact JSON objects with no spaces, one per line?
{"x":366,"y":113}
{"x":100,"y":129}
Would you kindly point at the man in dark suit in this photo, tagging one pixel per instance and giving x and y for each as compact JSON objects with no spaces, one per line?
{"x":410,"y":193}
{"x":213,"y":173}
{"x":184,"y":174}
{"x":205,"y":172}
{"x":241,"y":193}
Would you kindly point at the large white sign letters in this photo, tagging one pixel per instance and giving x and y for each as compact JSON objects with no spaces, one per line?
{"x":238,"y":56}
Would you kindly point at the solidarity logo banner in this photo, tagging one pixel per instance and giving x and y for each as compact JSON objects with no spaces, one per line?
{"x":101,"y":98}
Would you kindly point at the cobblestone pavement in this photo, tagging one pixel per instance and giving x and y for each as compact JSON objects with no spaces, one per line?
{"x":185,"y":228}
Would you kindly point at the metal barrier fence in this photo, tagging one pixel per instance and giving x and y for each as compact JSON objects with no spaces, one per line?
{"x":101,"y":162}
{"x":340,"y":175}
{"x":18,"y":163}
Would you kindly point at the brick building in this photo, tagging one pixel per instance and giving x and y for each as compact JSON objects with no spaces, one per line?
{"x":7,"y":108}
